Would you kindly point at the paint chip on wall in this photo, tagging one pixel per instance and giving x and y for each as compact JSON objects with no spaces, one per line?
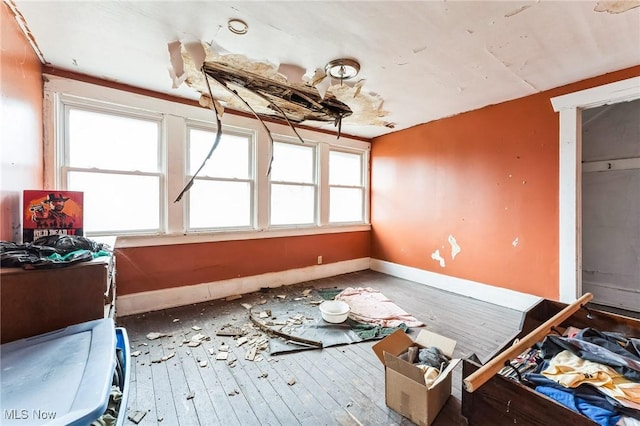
{"x":436,"y":256}
{"x":515,"y":242}
{"x":455,"y":248}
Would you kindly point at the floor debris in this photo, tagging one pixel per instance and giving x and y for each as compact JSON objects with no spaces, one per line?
{"x":234,"y":297}
{"x":135,"y":353}
{"x":137,"y":416}
{"x":230,"y":331}
{"x":155,"y":335}
{"x":191,"y":395}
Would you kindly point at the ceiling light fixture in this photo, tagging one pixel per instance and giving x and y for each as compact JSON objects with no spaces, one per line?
{"x":342,"y":69}
{"x":237,"y":26}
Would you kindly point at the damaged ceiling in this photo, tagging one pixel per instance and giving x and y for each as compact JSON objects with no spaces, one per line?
{"x":420,"y":60}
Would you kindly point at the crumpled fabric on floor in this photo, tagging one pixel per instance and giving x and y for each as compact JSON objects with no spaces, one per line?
{"x":372,"y":307}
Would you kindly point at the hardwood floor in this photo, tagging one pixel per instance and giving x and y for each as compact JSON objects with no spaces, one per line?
{"x":340,"y":385}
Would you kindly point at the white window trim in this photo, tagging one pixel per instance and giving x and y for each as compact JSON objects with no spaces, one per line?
{"x":252,"y":179}
{"x":317,"y":148}
{"x":364,"y":179}
{"x":175,"y":116}
{"x":570,"y":107}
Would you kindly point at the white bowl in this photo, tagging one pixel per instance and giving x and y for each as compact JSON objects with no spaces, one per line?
{"x":334,"y":311}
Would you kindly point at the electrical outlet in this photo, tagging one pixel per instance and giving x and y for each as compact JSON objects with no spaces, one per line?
{"x":319,"y":260}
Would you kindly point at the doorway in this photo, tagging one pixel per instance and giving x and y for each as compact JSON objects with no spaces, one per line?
{"x":611,"y":204}
{"x":570,"y":107}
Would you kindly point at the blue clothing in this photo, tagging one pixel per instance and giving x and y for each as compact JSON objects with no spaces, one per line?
{"x":598,"y":414}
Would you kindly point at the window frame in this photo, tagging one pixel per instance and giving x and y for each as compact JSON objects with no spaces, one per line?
{"x":68,"y":103}
{"x":314,"y":184}
{"x":363,"y":184}
{"x":229,"y":130}
{"x":176,"y":112}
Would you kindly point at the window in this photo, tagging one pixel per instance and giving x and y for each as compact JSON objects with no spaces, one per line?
{"x":115,"y":160}
{"x":346,"y":187}
{"x":221,"y":196}
{"x":131,"y":155}
{"x":293,"y":184}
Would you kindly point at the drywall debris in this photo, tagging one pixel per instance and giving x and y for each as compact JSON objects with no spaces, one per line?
{"x":436,"y":256}
{"x":135,"y":353}
{"x":616,"y":6}
{"x":234,"y":297}
{"x":155,"y":335}
{"x":196,"y":328}
{"x":229,"y":330}
{"x":246,"y":306}
{"x":251,"y":354}
{"x":191,"y":395}
{"x":137,"y":416}
{"x":455,"y":248}
{"x":222,"y":356}
{"x":291,"y":382}
{"x":202,"y":363}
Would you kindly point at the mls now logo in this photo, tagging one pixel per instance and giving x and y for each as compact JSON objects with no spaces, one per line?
{"x":16,"y":414}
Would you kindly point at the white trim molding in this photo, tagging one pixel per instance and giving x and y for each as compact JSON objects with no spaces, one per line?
{"x":487,"y":293}
{"x":130,"y":304}
{"x":570,"y":107}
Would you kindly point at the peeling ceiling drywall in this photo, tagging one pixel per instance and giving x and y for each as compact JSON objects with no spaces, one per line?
{"x":420,"y":60}
{"x":239,"y":82}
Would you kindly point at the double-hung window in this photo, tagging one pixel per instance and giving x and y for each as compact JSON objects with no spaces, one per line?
{"x":131,"y":155}
{"x":346,"y":186}
{"x":222,"y":193}
{"x":293,"y":184}
{"x":115,"y":159}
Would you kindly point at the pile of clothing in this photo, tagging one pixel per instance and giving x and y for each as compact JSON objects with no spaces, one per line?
{"x":53,"y":251}
{"x":591,"y":372}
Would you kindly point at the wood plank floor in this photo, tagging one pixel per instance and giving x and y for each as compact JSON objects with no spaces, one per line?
{"x":176,"y":384}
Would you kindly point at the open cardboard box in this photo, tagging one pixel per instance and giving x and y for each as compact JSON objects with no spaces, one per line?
{"x":405,"y":388}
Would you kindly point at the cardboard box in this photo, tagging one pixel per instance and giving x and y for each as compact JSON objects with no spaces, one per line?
{"x":405,"y":388}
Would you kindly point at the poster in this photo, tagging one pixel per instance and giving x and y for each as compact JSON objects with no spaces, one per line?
{"x":48,"y":212}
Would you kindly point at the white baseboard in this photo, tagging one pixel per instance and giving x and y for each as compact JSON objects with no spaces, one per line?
{"x":487,"y":293}
{"x":155,"y":300}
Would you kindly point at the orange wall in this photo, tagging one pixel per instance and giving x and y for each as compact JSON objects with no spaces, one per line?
{"x":21,"y":152}
{"x":154,"y":268}
{"x":487,"y":177}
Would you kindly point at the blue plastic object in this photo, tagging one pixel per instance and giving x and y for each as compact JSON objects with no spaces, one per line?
{"x":122,"y":343}
{"x":59,"y":378}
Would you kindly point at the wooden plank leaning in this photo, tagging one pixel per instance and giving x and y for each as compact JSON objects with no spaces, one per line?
{"x":484,"y":373}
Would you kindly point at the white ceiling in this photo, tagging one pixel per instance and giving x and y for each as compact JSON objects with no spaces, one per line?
{"x":425,"y":59}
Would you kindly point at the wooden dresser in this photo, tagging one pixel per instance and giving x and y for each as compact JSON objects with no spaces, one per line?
{"x":37,"y":301}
